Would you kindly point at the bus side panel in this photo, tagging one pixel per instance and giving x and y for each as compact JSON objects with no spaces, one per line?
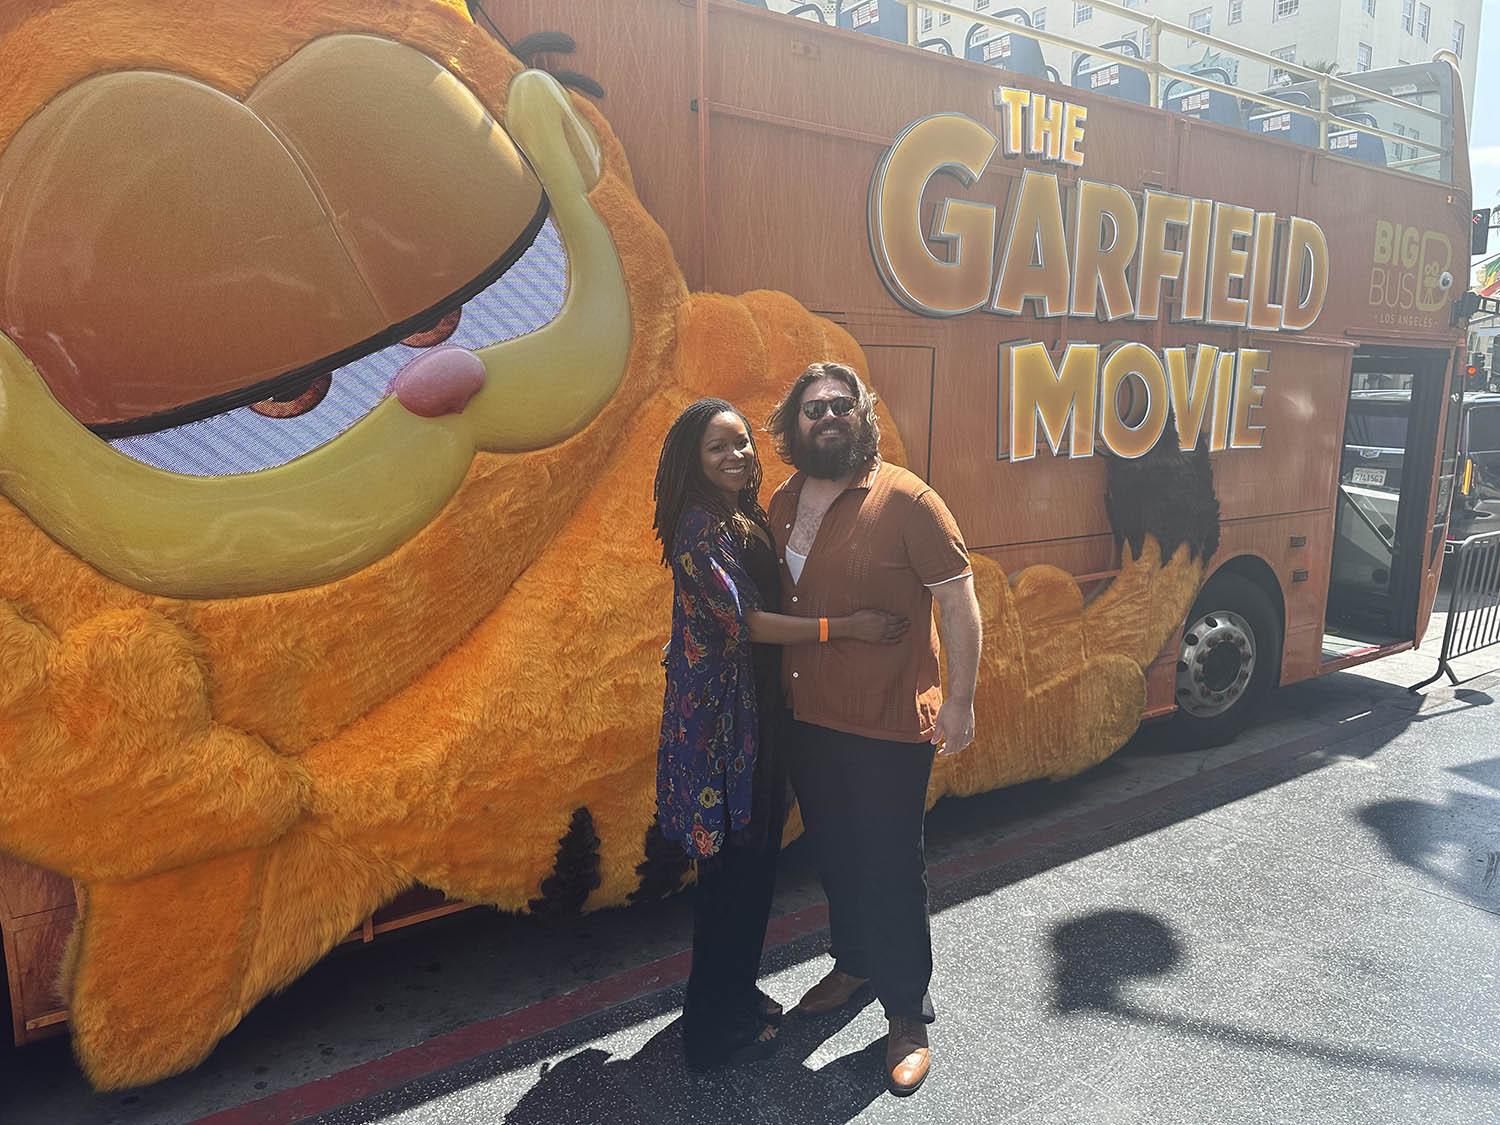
{"x":37,"y":910}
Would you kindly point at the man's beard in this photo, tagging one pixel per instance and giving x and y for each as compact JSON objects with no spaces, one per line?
{"x":828,"y":460}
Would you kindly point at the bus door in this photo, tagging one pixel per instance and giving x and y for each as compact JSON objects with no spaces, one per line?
{"x":1385,"y":481}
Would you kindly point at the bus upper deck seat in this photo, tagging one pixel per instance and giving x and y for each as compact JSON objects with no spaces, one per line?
{"x":1286,"y":124}
{"x":884,"y":18}
{"x":1114,"y":79}
{"x":801,"y":11}
{"x":1204,"y":104}
{"x":1359,"y":145}
{"x":1009,"y":50}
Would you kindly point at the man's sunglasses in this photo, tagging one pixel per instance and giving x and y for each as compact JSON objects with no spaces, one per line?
{"x":841,"y":406}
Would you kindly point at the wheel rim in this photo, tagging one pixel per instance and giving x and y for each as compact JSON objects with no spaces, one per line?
{"x":1216,"y":664}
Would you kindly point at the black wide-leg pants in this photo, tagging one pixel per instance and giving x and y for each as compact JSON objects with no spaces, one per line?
{"x":731,"y":908}
{"x":863,"y":801}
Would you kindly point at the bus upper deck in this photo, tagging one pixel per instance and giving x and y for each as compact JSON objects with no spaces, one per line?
{"x":1399,"y":117}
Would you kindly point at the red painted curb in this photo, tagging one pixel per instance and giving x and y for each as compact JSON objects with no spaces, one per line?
{"x":389,"y":1071}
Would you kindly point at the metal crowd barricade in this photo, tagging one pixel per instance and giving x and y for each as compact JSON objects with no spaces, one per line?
{"x":1473,"y":604}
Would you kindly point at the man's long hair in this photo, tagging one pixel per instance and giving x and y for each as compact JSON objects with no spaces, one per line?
{"x":680,"y":482}
{"x":783,"y":421}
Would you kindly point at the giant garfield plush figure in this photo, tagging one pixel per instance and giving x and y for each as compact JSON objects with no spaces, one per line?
{"x":335,"y":354}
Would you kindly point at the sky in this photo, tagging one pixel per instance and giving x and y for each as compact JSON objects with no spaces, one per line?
{"x":1484,"y":137}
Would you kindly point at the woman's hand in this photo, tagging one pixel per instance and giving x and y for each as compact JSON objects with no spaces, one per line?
{"x":874,"y":626}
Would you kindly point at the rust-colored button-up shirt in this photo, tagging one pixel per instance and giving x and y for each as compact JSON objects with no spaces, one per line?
{"x":884,"y":540}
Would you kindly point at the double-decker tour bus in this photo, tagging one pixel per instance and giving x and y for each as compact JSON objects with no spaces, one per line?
{"x":254,"y":686}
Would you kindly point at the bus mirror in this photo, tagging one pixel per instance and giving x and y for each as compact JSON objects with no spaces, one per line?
{"x":1479,"y":233}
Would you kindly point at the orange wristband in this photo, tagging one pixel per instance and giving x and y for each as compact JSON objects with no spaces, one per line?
{"x":822,"y":630}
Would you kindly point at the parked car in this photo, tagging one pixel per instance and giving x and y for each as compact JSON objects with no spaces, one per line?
{"x":1375,"y":442}
{"x":1476,"y":499}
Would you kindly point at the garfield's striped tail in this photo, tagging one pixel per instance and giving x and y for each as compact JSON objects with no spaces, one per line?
{"x":1062,"y":680}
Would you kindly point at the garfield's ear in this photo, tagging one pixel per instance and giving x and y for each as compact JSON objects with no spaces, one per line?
{"x":537,"y":43}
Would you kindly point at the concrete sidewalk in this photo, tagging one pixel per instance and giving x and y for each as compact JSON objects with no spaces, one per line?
{"x":1311,"y":938}
{"x":1298,"y":927}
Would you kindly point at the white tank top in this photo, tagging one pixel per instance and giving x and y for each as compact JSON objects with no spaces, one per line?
{"x":795,"y":563}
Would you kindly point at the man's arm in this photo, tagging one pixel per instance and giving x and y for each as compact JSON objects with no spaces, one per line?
{"x":961,"y":631}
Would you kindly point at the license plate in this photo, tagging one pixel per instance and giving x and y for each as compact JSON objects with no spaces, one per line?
{"x":1369,"y":476}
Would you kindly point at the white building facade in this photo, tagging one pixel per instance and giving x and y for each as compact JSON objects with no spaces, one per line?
{"x":1351,"y":35}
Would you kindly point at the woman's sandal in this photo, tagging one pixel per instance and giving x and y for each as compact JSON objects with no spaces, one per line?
{"x":768,"y":1009}
{"x":763,"y":1046}
{"x":757,"y":1042}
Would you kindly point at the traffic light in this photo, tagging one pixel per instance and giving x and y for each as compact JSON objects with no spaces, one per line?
{"x":1476,"y":378}
{"x":1479,"y":234}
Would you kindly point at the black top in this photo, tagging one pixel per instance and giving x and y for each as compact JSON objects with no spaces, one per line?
{"x":761,"y":565}
{"x":771,"y":797}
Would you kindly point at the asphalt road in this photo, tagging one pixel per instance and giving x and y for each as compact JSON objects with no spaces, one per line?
{"x":1297,"y":927}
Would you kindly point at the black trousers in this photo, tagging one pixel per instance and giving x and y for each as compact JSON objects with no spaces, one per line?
{"x":731,"y":907}
{"x":863,"y":801}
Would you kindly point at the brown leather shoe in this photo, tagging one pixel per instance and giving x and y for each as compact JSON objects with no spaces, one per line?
{"x":831,"y":993}
{"x":907,"y":1056}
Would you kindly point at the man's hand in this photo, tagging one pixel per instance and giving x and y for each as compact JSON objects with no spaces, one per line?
{"x":954,"y":729}
{"x":962,"y":637}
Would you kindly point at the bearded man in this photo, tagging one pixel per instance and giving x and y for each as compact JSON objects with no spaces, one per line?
{"x":853,"y":531}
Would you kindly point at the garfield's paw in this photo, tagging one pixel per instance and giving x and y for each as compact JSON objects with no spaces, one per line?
{"x":122,"y":771}
{"x":1060,"y":729}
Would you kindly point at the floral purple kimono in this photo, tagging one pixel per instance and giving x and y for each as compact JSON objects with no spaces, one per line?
{"x":705,"y":761}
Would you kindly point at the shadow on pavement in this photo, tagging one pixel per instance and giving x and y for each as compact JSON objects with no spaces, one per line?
{"x":1096,"y":956}
{"x":592,"y":1086}
{"x":363,"y":1003}
{"x":1431,"y":838}
{"x":652,"y":1086}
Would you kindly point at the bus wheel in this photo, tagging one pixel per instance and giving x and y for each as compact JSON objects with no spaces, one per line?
{"x":1230,"y":652}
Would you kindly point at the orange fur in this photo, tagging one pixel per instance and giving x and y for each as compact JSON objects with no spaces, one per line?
{"x":238,"y":782}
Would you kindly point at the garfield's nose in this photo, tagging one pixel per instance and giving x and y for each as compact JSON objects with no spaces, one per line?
{"x":440,"y":381}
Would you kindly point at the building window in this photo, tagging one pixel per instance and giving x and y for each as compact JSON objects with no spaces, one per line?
{"x":1281,"y":77}
{"x":1408,"y":15}
{"x":1129,"y":37}
{"x":981,"y":5}
{"x":1285,"y":8}
{"x":1039,"y":19}
{"x":1132,"y":3}
{"x":1362,"y":57}
{"x":926,"y":20}
{"x":1145,"y":42}
{"x":1236,"y":10}
{"x":1424,"y":21}
{"x":1369,"y":7}
{"x":1458,"y":39}
{"x":945,"y":17}
{"x":1082,"y":13}
{"x":1202,"y":20}
{"x":1078,"y":57}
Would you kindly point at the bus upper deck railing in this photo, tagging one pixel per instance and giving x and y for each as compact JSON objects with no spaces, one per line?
{"x":1473,"y":605}
{"x":1329,"y":87}
{"x":1327,"y":106}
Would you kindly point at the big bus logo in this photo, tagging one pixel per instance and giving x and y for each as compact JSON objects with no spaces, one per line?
{"x":1407,"y":268}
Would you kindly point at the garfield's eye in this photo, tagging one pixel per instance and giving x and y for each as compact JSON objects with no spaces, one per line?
{"x":528,"y":296}
{"x":432,"y":337}
{"x":293,"y":405}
